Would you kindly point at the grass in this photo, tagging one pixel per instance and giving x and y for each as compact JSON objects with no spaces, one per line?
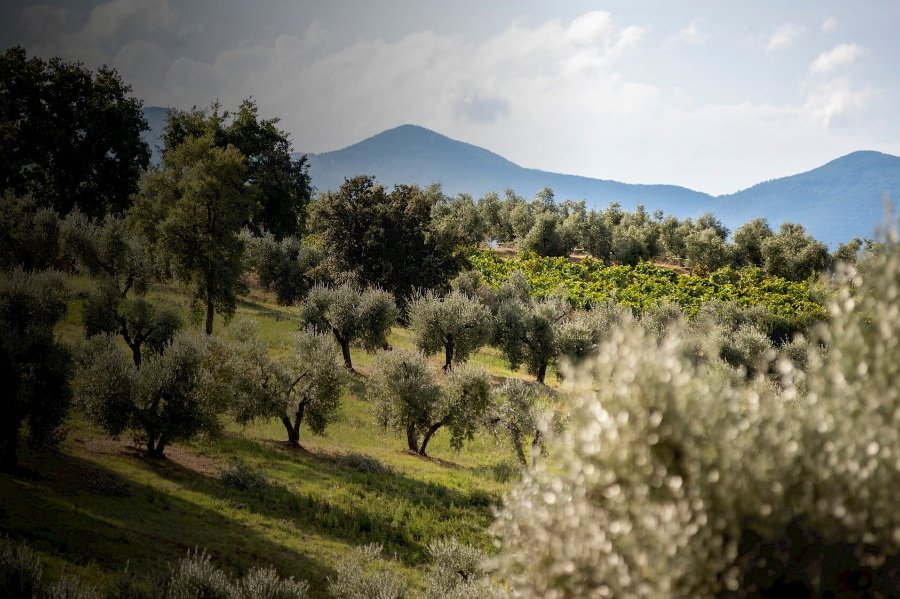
{"x":99,"y":505}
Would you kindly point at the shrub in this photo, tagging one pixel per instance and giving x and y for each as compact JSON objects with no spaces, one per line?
{"x":70,"y":587}
{"x":457,"y":572}
{"x":363,"y":574}
{"x":264,"y":583}
{"x":362,"y":463}
{"x":195,"y":576}
{"x":20,"y":570}
{"x":242,"y":477}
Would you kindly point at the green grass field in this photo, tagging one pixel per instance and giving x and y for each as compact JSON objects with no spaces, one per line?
{"x":99,"y":506}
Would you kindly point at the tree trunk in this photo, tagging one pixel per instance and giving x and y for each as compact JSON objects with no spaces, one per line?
{"x":210,"y":313}
{"x":516,"y":436}
{"x":448,"y":355}
{"x":136,"y":354}
{"x":428,"y":434}
{"x":542,"y":372}
{"x":161,"y":447}
{"x":345,"y":350}
{"x":537,"y":447}
{"x":293,"y":436}
{"x":411,"y":438}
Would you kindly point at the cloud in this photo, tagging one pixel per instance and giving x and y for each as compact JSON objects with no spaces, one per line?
{"x":836,"y":102}
{"x":829,"y":24}
{"x":692,"y":35}
{"x":783,"y":37}
{"x":840,"y":56}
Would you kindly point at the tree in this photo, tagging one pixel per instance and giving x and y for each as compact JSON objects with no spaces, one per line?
{"x":748,"y":240}
{"x":289,"y":268}
{"x":199,"y":234}
{"x":34,"y":367}
{"x":793,"y":254}
{"x":29,"y":234}
{"x":170,"y":397}
{"x":706,"y":251}
{"x":457,"y":222}
{"x":280,"y":182}
{"x":351,"y":315}
{"x":119,"y":262}
{"x":581,"y":333}
{"x":305,"y":387}
{"x":547,"y":237}
{"x":519,"y":411}
{"x":525,"y":330}
{"x":455,"y":323}
{"x":69,"y":136}
{"x":386,"y":239}
{"x":408,"y":398}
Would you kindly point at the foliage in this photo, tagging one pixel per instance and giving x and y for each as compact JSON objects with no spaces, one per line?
{"x":407,"y":397}
{"x":456,"y":572}
{"x":351,"y":315}
{"x":680,"y":479}
{"x":641,"y":287}
{"x":526,"y":330}
{"x":304,"y":387}
{"x":171,"y":397}
{"x":29,"y":234}
{"x":388,"y":239}
{"x":582,"y":332}
{"x":748,"y":240}
{"x":196,"y":576}
{"x":34,"y":367}
{"x":238,"y":475}
{"x":362,"y":575}
{"x":792,"y":254}
{"x":521,"y":410}
{"x":547,"y":237}
{"x":289,"y":267}
{"x":20,"y":569}
{"x":280,"y":182}
{"x":455,"y":323}
{"x":199,"y":231}
{"x":69,"y":136}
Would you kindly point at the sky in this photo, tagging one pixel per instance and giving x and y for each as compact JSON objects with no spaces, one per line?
{"x":715,"y":95}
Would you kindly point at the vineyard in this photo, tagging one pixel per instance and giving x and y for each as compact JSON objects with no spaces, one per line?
{"x":590,"y":281}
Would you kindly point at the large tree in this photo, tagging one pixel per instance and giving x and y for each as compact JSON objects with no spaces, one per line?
{"x":388,"y":238}
{"x":281,"y":182}
{"x":68,"y":135}
{"x":191,"y":212}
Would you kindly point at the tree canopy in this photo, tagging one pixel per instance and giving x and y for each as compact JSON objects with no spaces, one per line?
{"x":69,"y":136}
{"x":279,"y":181}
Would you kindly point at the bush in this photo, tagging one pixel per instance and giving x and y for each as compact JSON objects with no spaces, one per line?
{"x":195,"y":576}
{"x":362,"y":463}
{"x":264,"y":583}
{"x":457,"y":572}
{"x":20,"y":570}
{"x":242,"y":477}
{"x":363,"y":574}
{"x":70,"y":587}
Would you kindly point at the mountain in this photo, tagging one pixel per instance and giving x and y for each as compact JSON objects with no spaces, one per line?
{"x":411,"y":154}
{"x":835,"y":202}
{"x":839,"y":200}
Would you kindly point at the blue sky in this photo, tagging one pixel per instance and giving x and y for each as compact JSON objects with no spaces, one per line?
{"x":713,"y":95}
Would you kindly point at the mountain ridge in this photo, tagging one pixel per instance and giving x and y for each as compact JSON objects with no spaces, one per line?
{"x":836,"y":201}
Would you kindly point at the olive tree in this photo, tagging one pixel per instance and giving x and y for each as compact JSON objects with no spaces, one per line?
{"x":352,"y":316}
{"x":304,"y":387}
{"x":521,"y":411}
{"x":716,"y":485}
{"x":455,"y":323}
{"x":170,"y":397}
{"x":288,"y":267}
{"x":118,"y":260}
{"x":34,"y":366}
{"x":581,"y":332}
{"x":793,"y":254}
{"x":407,"y":397}
{"x":526,"y":331}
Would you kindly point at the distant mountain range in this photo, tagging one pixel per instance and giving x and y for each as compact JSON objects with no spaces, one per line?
{"x":835,"y":202}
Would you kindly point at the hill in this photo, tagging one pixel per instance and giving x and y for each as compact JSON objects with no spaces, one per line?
{"x":835,"y":202}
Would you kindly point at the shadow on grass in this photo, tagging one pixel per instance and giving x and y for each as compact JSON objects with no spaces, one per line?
{"x":263,"y":310}
{"x":355,"y":505}
{"x":81,"y":513}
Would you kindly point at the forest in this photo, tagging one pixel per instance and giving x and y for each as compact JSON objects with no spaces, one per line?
{"x":224,"y":383}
